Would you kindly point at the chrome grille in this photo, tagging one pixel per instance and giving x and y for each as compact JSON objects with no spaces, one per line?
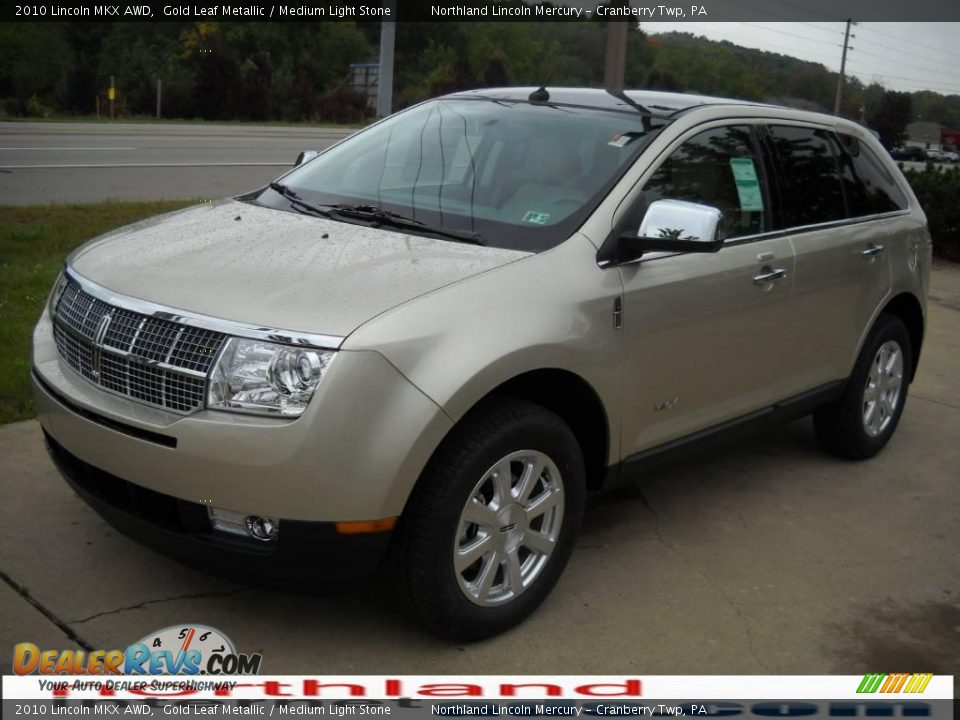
{"x":150,"y":359}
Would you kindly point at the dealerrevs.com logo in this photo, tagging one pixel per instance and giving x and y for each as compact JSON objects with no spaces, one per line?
{"x":188,"y":649}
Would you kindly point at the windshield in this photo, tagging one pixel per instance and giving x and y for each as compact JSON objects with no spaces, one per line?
{"x":516,"y":175}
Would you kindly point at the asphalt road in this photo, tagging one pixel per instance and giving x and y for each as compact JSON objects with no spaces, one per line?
{"x":84,"y":162}
{"x":765,"y":557}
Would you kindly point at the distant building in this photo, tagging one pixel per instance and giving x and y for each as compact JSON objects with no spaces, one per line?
{"x":950,"y":137}
{"x":925,"y":134}
{"x":364,"y":79}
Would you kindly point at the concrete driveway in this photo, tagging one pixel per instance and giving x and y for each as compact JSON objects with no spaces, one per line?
{"x":767,"y":557}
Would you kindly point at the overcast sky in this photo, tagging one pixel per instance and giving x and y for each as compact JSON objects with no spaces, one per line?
{"x":900,"y":56}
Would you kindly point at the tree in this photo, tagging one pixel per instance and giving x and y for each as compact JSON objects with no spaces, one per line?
{"x":890,"y":118}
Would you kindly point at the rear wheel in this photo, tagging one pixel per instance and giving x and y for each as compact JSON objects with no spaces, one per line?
{"x":862,"y":421}
{"x":492,"y":521}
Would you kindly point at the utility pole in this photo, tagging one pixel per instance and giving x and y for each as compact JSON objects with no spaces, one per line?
{"x":388,"y":36}
{"x":843,"y":67}
{"x":112,"y":94}
{"x":159,"y":83}
{"x":615,"y":68}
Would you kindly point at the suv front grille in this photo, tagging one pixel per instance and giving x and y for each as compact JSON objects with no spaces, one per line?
{"x":155,"y":361}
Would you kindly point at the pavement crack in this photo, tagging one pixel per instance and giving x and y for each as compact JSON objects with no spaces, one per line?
{"x":146,"y":603}
{"x":935,"y":402}
{"x":46,"y":612}
{"x":747,"y":626}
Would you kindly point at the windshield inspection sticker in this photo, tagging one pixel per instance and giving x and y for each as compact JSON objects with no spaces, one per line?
{"x":620,"y":141}
{"x":537,"y":218}
{"x":748,"y":186}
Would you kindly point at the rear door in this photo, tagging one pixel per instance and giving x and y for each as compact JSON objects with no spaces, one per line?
{"x":838,"y":231}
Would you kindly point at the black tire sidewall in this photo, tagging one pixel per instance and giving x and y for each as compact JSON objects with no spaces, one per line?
{"x":887,"y":328}
{"x":448,"y":481}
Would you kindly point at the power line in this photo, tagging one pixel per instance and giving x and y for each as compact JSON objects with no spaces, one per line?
{"x":900,"y":39}
{"x":903,"y":52}
{"x":904,"y":62}
{"x":794,"y":35}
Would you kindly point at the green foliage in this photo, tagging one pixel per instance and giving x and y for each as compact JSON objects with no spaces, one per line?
{"x":297,"y":71}
{"x":890,"y":118}
{"x":938,"y":190}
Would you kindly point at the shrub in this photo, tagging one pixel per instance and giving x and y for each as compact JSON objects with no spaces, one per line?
{"x":938,"y":191}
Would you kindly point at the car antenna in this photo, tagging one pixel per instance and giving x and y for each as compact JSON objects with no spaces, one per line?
{"x":540,"y":95}
{"x":621,"y":95}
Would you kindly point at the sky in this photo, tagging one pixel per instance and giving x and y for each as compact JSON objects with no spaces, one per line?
{"x":900,"y":56}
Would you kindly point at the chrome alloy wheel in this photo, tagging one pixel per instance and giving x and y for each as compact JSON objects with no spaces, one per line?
{"x":881,"y":396}
{"x":509,"y":527}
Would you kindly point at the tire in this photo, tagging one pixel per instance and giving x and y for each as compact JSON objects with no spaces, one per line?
{"x":861,"y":422}
{"x":481,"y":599}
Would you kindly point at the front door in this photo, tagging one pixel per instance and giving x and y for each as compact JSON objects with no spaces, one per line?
{"x":705,"y":334}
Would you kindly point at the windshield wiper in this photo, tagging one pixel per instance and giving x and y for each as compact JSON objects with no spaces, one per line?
{"x":299,"y":203}
{"x":373,"y":214}
{"x":379,"y":216}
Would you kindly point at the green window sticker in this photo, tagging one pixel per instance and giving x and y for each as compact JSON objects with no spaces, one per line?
{"x":537,"y":218}
{"x":748,"y":185}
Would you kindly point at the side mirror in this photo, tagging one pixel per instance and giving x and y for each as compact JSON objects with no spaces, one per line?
{"x":306,"y":156}
{"x":667,"y":226}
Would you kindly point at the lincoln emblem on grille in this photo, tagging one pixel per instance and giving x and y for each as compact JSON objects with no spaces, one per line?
{"x":98,"y":337}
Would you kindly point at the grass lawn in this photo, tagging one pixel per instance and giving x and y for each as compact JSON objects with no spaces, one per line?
{"x":34,"y":240}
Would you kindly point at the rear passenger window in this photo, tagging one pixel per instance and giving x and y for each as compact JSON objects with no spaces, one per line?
{"x":813,"y":192}
{"x":719,"y":168}
{"x":869,"y":186}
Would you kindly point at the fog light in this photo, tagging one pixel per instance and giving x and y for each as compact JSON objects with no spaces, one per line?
{"x":260,"y":527}
{"x":251,"y":526}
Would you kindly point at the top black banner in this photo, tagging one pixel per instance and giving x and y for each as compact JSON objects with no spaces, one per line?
{"x":489,"y":11}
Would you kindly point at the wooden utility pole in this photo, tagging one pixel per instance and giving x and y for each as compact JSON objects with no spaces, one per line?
{"x":111,"y":95}
{"x":615,"y":68}
{"x":843,"y":68}
{"x":159,"y":83}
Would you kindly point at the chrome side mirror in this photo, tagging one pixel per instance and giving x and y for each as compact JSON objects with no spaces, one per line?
{"x":306,"y":156}
{"x":668,"y":226}
{"x":674,"y":220}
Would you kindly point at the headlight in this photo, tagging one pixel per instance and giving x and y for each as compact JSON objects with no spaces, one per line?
{"x":266,"y":378}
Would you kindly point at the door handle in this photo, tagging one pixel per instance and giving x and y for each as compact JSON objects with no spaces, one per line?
{"x":873,"y":250}
{"x":770,"y":276}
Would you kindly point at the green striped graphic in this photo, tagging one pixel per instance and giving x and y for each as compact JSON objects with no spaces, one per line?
{"x":871,"y":682}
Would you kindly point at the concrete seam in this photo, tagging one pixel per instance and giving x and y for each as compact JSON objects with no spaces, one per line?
{"x":66,"y":629}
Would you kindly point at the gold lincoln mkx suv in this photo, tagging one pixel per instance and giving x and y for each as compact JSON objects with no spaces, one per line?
{"x":422,"y":347}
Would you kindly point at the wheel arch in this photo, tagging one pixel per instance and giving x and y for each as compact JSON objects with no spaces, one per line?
{"x":907,"y":307}
{"x":572,"y":398}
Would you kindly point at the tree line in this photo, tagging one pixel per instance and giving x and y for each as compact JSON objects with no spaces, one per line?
{"x":263,"y":71}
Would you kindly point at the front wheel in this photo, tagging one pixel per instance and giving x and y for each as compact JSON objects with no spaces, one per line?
{"x":492,"y":521}
{"x":862,"y":421}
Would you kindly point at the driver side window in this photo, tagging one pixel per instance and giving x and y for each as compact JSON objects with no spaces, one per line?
{"x":720,"y":168}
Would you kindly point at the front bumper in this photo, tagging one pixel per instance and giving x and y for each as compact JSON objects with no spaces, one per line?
{"x":309,"y":552}
{"x":354,"y":454}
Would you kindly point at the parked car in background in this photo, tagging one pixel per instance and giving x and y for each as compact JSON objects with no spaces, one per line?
{"x":950,"y":156}
{"x":912,"y":154}
{"x":932,"y":154}
{"x":427,"y":344}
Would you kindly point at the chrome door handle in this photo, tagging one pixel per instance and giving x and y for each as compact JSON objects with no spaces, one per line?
{"x":873,"y":250}
{"x":769,"y":277}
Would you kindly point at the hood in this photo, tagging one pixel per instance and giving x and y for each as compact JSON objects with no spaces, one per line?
{"x":254,"y":265}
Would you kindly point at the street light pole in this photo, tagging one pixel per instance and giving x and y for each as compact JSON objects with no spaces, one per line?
{"x":388,"y":36}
